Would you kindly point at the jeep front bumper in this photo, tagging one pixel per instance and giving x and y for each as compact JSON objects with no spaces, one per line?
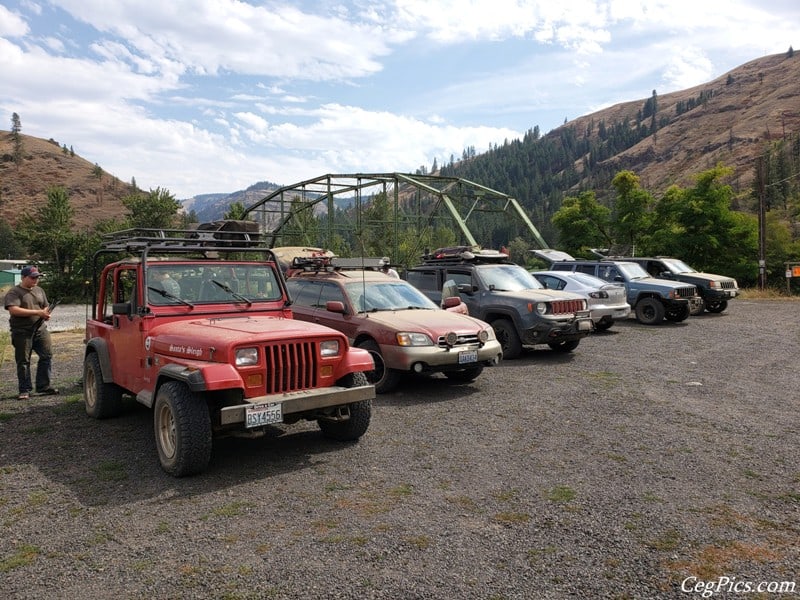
{"x":546,"y":332}
{"x":300,"y":401}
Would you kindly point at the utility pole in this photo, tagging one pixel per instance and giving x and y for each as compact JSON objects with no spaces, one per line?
{"x":761,"y":170}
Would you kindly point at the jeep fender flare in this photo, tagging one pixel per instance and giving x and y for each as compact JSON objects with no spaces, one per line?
{"x":99,"y":346}
{"x":643,"y":295}
{"x":492,"y":314}
{"x":203,"y":378}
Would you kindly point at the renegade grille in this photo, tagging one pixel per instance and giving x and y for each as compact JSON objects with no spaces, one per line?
{"x":687,"y":292}
{"x":291,"y":367}
{"x":564,"y":307}
{"x":463,"y":340}
{"x":728,"y":284}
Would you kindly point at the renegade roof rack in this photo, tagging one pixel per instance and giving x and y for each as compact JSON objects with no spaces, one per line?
{"x":462,"y":254}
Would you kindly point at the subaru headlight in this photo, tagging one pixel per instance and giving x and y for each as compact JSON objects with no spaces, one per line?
{"x":329,"y":348}
{"x":484,"y":335}
{"x":246,"y":357}
{"x":413,"y":339}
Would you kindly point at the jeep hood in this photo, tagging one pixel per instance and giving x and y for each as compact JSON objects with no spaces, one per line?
{"x":534,"y":295}
{"x":202,"y":337}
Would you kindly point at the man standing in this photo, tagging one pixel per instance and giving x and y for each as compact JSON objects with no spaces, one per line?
{"x":28,"y":310}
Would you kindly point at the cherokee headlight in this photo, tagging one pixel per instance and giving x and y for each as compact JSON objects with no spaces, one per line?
{"x":413,"y":339}
{"x":329,"y":348}
{"x":246,"y":357}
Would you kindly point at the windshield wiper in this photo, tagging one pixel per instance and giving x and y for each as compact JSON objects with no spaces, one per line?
{"x":166,"y":294}
{"x":228,"y":289}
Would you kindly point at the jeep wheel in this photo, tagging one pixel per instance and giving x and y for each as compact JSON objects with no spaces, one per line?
{"x":465,"y":375}
{"x":183,"y":430}
{"x":564,"y":345}
{"x":649,"y":311}
{"x":383,"y":378}
{"x":508,"y":337}
{"x":349,"y":430}
{"x":717,"y":307}
{"x":102,"y":400}
{"x":676,"y":315}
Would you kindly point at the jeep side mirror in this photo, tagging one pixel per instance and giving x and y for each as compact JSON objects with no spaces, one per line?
{"x":336,"y":306}
{"x":121,"y":308}
{"x":466,"y":288}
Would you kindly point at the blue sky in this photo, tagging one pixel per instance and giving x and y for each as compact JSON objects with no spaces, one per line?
{"x":207,"y":96}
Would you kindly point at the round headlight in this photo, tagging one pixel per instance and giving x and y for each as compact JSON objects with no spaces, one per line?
{"x":541,"y":308}
{"x":483,"y":336}
{"x":451,"y":338}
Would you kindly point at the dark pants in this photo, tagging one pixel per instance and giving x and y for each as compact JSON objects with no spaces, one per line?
{"x":24,"y":342}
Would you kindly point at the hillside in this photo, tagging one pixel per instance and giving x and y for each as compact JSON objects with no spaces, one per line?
{"x":44,"y":165}
{"x":733,"y":118}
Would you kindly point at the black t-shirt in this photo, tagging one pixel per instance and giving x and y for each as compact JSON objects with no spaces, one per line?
{"x":33,"y":298}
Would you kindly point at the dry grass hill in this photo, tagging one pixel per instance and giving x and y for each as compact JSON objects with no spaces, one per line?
{"x":44,"y":165}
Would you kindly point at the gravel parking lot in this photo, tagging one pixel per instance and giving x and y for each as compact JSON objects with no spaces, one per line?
{"x":650,"y":461}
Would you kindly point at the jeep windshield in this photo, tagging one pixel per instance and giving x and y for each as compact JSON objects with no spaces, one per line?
{"x":367,"y":296}
{"x":218,"y":282}
{"x":677,"y":266}
{"x":508,"y":278}
{"x":633,"y":270}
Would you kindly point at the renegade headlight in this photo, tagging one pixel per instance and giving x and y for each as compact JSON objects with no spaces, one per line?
{"x":413,"y":339}
{"x":246,"y":357}
{"x":329,"y":348}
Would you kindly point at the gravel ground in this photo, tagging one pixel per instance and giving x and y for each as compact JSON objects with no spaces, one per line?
{"x":649,"y":455}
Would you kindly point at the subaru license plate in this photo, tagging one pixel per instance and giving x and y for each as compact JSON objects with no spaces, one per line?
{"x":263,"y":414}
{"x":468,"y":356}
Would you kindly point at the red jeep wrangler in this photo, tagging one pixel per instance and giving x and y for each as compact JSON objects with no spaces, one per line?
{"x":197,"y":325}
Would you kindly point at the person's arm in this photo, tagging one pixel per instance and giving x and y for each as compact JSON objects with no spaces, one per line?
{"x":18,"y":311}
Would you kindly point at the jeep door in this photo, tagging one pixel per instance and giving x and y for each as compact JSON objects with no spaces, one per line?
{"x":126,"y":337}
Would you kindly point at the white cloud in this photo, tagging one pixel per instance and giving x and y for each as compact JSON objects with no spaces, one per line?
{"x":11,"y":24}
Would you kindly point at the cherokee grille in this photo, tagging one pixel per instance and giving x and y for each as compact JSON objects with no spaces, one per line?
{"x":728,"y":284}
{"x":565,"y":307}
{"x":463,"y":340}
{"x":291,"y":367}
{"x":687,"y":292}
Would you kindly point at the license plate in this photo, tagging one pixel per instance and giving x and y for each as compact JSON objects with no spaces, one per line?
{"x":263,"y":414}
{"x":468,"y":356}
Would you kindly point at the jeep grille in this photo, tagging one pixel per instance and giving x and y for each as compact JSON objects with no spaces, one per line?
{"x":687,"y":292}
{"x":463,"y":340}
{"x":728,"y":284}
{"x":565,"y":307}
{"x":291,"y":367}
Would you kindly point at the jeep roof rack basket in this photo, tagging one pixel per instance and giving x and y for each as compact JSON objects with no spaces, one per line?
{"x":462,"y":254}
{"x":226,"y":236}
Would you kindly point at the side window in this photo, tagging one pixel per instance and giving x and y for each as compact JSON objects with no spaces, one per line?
{"x":330,"y":291}
{"x":304,"y":293}
{"x":422,"y":280}
{"x":460,"y":277}
{"x":552,"y":283}
{"x":608,"y":273}
{"x":588,"y":269}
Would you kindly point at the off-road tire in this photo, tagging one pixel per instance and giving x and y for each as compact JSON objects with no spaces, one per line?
{"x":465,"y":375}
{"x":507,"y":335}
{"x":353,"y":428}
{"x":101,"y":400}
{"x":182,"y":429}
{"x":564,"y":345}
{"x":717,"y":307}
{"x":649,"y":311}
{"x":383,"y":378}
{"x":676,"y":315}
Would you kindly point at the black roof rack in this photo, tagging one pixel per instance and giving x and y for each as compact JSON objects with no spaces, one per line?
{"x":335,"y":263}
{"x":464,"y":254}
{"x":219,"y":236}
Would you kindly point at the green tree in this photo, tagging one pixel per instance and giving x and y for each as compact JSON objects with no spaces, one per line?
{"x":235,"y":211}
{"x":8,"y":242}
{"x":582,"y":223}
{"x":631,"y":217}
{"x":16,"y":138}
{"x":157,"y":210}
{"x":48,"y":235}
{"x":302,"y":227}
